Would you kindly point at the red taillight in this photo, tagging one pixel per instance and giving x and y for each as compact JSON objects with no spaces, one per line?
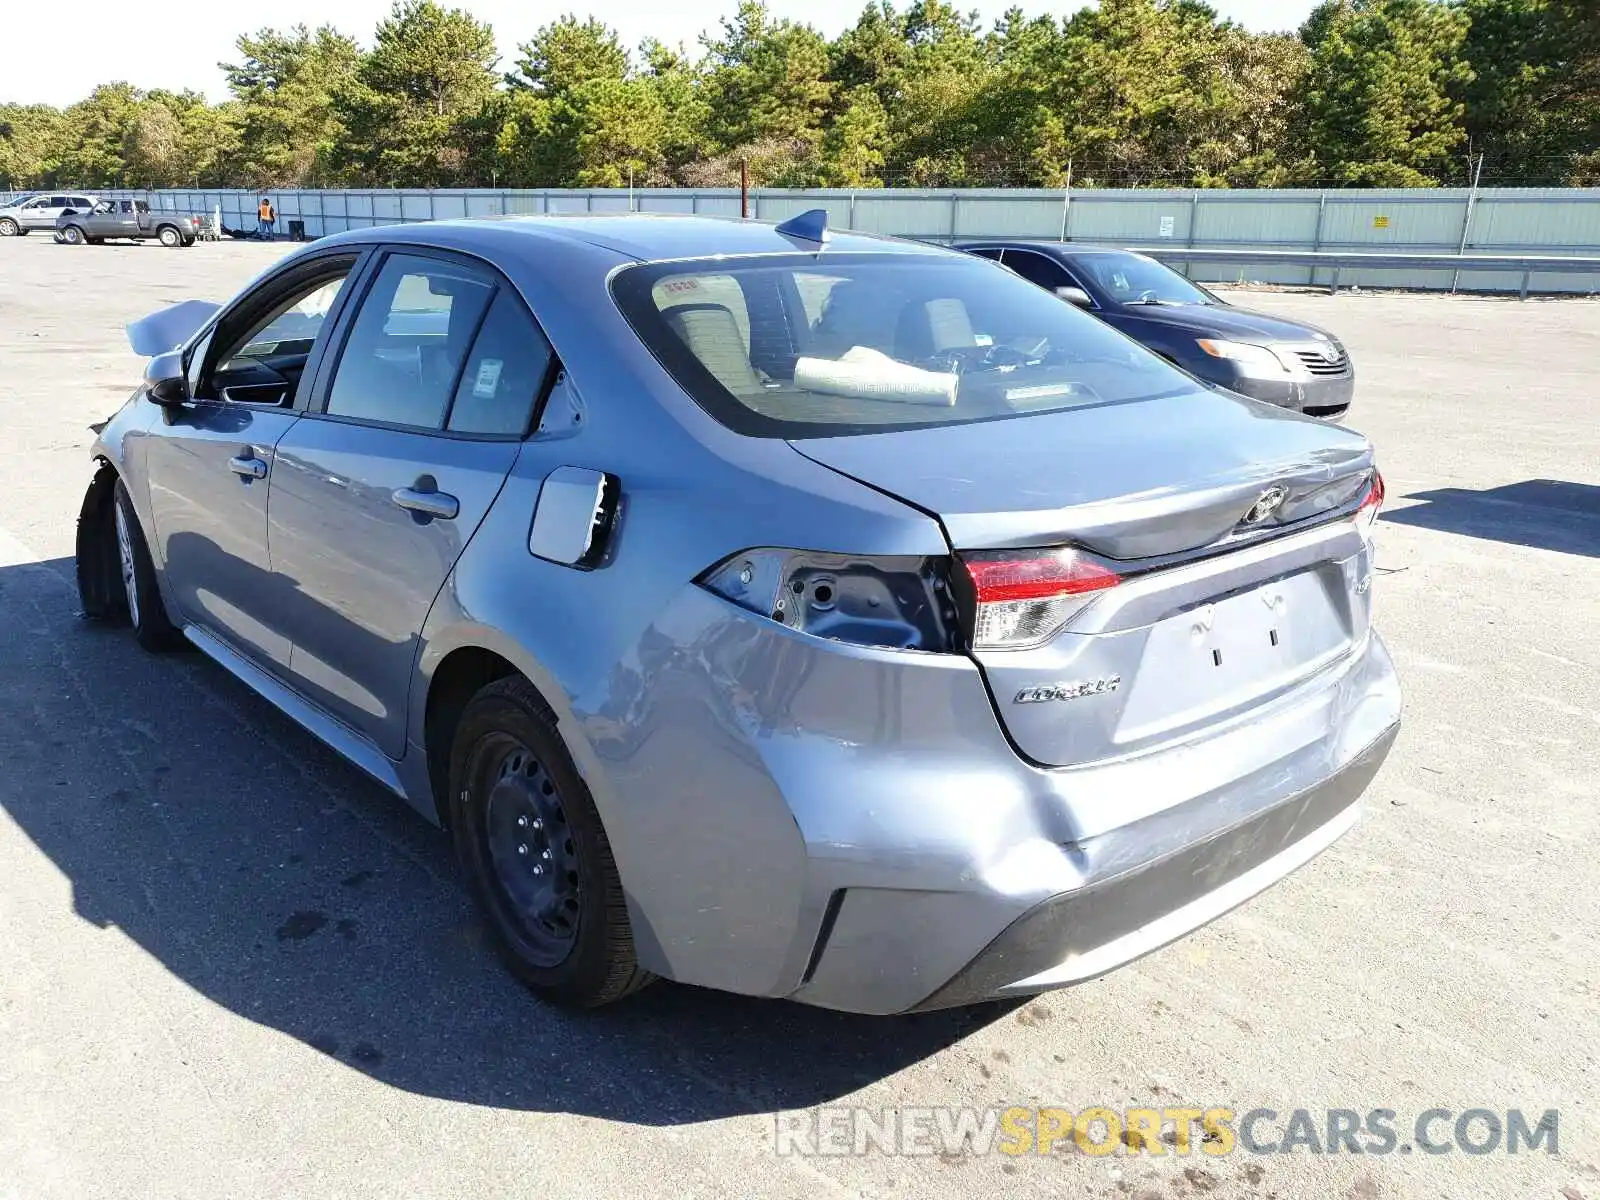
{"x":1371,"y":505}
{"x":1053,"y":573}
{"x":1024,"y":597}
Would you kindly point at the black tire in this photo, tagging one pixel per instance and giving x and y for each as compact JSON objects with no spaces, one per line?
{"x":142,"y":601}
{"x":73,"y":235}
{"x":9,"y":227}
{"x":99,"y":571}
{"x":170,"y":236}
{"x":536,"y":853}
{"x":187,"y":242}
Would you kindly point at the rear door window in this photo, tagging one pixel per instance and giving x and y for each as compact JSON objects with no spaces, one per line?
{"x":403,"y":358}
{"x":1036,"y":268}
{"x":505,"y":373}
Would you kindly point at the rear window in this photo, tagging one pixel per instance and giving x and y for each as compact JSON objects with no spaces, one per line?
{"x":818,"y":345}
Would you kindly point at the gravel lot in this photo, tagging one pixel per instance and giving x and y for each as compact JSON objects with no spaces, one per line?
{"x":230,"y":966}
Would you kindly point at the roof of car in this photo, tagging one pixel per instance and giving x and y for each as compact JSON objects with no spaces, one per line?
{"x":650,"y":237}
{"x":1075,"y":249}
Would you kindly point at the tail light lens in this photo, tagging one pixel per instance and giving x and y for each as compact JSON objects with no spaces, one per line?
{"x":1371,"y":506}
{"x":1023,"y":597}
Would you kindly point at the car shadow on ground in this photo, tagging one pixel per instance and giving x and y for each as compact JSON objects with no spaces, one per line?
{"x":1548,"y":514}
{"x":284,"y":886}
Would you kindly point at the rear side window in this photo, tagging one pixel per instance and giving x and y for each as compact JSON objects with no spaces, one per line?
{"x":1037,"y":269}
{"x":505,"y":373}
{"x":403,"y":358}
{"x":807,"y":345}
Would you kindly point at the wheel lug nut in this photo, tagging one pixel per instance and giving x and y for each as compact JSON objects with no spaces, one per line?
{"x":538,"y":824}
{"x":522,"y":822}
{"x":537,"y":869}
{"x":545,"y":855}
{"x":523,"y":848}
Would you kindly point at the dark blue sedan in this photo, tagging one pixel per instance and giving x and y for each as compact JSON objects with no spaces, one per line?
{"x":1283,"y":362}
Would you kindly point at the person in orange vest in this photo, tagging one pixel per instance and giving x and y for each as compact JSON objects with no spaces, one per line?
{"x":266,"y":218}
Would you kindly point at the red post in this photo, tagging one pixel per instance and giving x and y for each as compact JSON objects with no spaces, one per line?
{"x":744,"y":188}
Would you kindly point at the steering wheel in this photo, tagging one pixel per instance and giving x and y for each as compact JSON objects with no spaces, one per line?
{"x":961,"y":359}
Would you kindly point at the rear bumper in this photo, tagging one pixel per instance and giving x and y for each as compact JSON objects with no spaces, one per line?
{"x":1161,"y":844}
{"x":850,"y":827}
{"x":1084,"y":934}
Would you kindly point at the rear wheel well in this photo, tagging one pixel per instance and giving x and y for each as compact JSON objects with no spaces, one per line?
{"x":456,"y":680}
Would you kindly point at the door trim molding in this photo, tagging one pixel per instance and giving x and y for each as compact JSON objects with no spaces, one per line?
{"x":326,"y":728}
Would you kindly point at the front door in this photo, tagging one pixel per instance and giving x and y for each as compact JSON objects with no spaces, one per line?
{"x":37,"y":214}
{"x":375,"y":497}
{"x":211,"y":464}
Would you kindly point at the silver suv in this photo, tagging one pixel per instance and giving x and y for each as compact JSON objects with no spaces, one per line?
{"x":21,"y":217}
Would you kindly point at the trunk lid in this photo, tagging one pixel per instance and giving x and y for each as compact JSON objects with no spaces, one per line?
{"x":1215,"y":615}
{"x":1129,"y":480}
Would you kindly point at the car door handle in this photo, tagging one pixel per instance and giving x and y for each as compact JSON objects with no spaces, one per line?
{"x":440,"y":505}
{"x":248,"y":467}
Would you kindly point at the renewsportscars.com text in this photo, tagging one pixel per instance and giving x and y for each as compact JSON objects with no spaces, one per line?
{"x":843,"y":1131}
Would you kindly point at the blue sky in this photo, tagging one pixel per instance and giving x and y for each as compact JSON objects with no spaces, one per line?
{"x":47,"y":58}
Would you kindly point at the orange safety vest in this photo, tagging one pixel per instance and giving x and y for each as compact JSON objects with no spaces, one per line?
{"x":265,"y":211}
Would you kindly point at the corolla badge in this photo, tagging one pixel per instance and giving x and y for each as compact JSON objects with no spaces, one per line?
{"x":1069,"y":691}
{"x":1266,"y":504}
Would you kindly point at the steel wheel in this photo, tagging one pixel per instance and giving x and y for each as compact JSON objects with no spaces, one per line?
{"x":125,"y":560}
{"x":9,"y":228}
{"x":532,"y":850}
{"x":535,"y":850}
{"x":72,"y":235}
{"x":170,"y":237}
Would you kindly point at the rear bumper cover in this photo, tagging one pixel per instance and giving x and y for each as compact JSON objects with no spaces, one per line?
{"x":850,"y":827}
{"x":1183,"y":835}
{"x":1084,"y":934}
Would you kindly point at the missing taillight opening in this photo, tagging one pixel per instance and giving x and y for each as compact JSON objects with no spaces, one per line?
{"x":900,"y":602}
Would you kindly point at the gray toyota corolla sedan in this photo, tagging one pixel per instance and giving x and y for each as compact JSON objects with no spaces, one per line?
{"x":834,"y":618}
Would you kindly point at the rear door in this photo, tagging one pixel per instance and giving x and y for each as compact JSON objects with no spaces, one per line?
{"x":417,"y":424}
{"x":124,"y":223}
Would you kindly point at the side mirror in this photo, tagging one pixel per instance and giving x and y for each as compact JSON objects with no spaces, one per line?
{"x":1075,"y":295}
{"x":164,"y":380}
